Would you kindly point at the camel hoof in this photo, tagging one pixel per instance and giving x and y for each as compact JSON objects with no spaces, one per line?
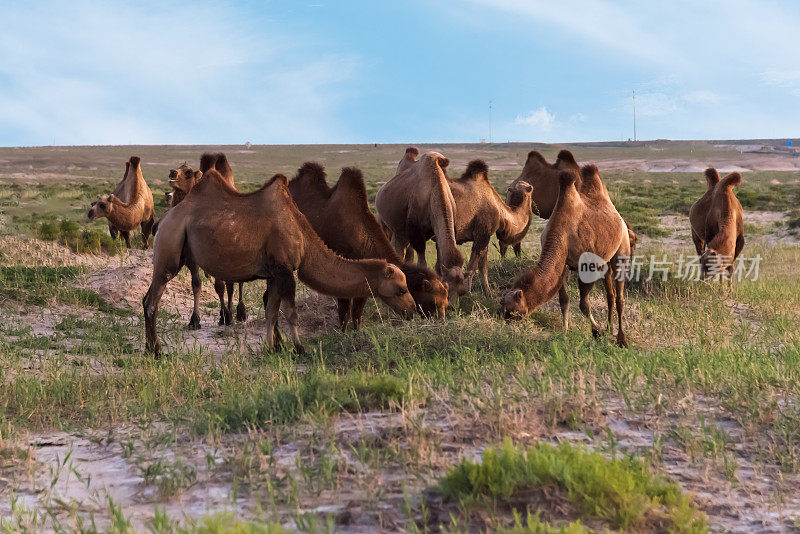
{"x":621,"y":341}
{"x":595,"y":333}
{"x":241,"y":313}
{"x":299,"y":349}
{"x":194,"y":322}
{"x":224,"y":317}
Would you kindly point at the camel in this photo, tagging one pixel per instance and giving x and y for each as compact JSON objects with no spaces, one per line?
{"x":123,"y":215}
{"x":543,"y":178}
{"x":579,"y":223}
{"x":481,"y":212}
{"x":699,"y":211}
{"x":182,"y":180}
{"x":341,"y":217}
{"x":417,"y":204}
{"x":724,"y":229}
{"x":269,"y":238}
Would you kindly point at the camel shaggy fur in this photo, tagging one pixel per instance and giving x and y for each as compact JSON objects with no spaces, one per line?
{"x":125,"y":215}
{"x":699,"y":211}
{"x":417,"y":204}
{"x":268,"y":238}
{"x":341,"y":217}
{"x":481,"y":212}
{"x":579,"y":223}
{"x":724,"y":229}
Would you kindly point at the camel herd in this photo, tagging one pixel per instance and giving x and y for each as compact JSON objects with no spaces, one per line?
{"x":330,"y":237}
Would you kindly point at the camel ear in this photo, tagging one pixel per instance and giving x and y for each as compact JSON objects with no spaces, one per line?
{"x":426,"y":285}
{"x":112,"y":198}
{"x":198,"y":175}
{"x":388,"y":272}
{"x":525,"y":186}
{"x":517,"y":295}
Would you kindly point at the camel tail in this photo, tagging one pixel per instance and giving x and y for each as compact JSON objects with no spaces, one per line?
{"x":712,"y":177}
{"x":732,"y":180}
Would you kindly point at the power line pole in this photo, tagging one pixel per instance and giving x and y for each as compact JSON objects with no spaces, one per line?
{"x":634,"y":114}
{"x":490,"y":121}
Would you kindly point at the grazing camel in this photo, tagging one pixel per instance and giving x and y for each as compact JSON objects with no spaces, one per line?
{"x":182,"y":180}
{"x":123,"y":215}
{"x":543,"y":178}
{"x":267,"y":239}
{"x":724,"y":229}
{"x":699,"y":211}
{"x":417,"y":204}
{"x":481,"y":212}
{"x":341,"y":217}
{"x":579,"y":223}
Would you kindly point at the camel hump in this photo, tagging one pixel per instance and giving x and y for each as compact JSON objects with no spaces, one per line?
{"x":537,"y":157}
{"x":352,"y":180}
{"x":222,"y":166}
{"x":207,"y":161}
{"x":566,"y":157}
{"x":437,"y":159}
{"x":476,"y":168}
{"x":278,"y":179}
{"x":588,"y":172}
{"x":313,"y":171}
{"x":412,"y":152}
{"x":134,"y":162}
{"x":566,"y":179}
{"x":712,"y":177}
{"x":732,"y":180}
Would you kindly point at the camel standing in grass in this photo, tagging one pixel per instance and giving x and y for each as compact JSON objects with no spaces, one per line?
{"x":182,"y":180}
{"x":579,"y":223}
{"x":724,"y":229}
{"x":341,"y":217}
{"x":267,"y":239}
{"x":125,"y":216}
{"x":481,"y":212}
{"x":543,"y":178}
{"x":417,"y":204}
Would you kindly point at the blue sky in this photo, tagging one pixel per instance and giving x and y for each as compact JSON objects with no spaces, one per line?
{"x":375,"y":71}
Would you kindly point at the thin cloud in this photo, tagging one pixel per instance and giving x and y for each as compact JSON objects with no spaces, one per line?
{"x":540,"y":119}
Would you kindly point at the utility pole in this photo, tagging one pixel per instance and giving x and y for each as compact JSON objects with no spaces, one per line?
{"x":490,"y":121}
{"x":634,"y":114}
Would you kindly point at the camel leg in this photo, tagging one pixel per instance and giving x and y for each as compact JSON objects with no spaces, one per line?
{"x":483,"y":270}
{"x":241,"y":311}
{"x":608,"y":283}
{"x":619,"y":286}
{"x":343,"y":305}
{"x":480,"y":243}
{"x":584,"y":290}
{"x":286,"y":287}
{"x":699,"y":244}
{"x":272,"y":304}
{"x":518,"y":250}
{"x":419,"y":247}
{"x":112,"y":231}
{"x":224,"y":312}
{"x":503,"y":248}
{"x":150,"y":305}
{"x":563,"y":302}
{"x":356,"y":311}
{"x":147,"y":229}
{"x":229,"y":291}
{"x":194,"y":321}
{"x":127,"y":237}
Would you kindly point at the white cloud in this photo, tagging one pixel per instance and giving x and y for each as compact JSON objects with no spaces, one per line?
{"x":540,"y":118}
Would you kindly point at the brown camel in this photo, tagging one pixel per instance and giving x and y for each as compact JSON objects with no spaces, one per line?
{"x":125,"y":216}
{"x":543,"y":178}
{"x":579,"y":223}
{"x":481,"y":213}
{"x":182,"y":180}
{"x":724,"y":229}
{"x":699,"y":211}
{"x":417,"y":204}
{"x":341,"y":217}
{"x":267,"y":239}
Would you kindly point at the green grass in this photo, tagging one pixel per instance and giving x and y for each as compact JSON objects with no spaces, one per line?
{"x":623,"y":493}
{"x":69,"y":233}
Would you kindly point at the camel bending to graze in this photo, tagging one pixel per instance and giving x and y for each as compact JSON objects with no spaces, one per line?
{"x":578,"y":223}
{"x":699,"y":211}
{"x":417,"y":204}
{"x":543,"y":178}
{"x":267,"y":239}
{"x":724,"y":229}
{"x":481,"y":212}
{"x":124,"y":215}
{"x":341,"y":217}
{"x":182,"y":180}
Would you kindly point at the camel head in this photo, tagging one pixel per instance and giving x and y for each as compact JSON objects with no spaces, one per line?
{"x":513,"y":305}
{"x":184,"y":178}
{"x":390,"y":285}
{"x":430,"y":294}
{"x":519,"y":194}
{"x":454,"y":280}
{"x":102,"y":207}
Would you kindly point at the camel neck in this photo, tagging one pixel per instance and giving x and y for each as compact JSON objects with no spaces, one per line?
{"x":541,"y":283}
{"x":515,"y":219}
{"x":326,"y":272}
{"x":125,"y":216}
